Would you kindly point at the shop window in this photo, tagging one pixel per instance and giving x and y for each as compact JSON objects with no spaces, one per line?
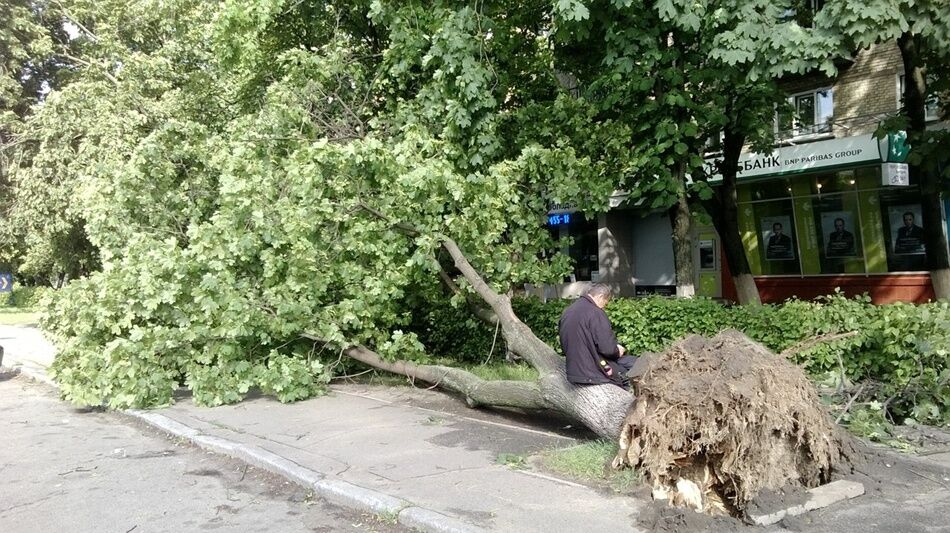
{"x":770,"y":189}
{"x":931,"y":106}
{"x":833,"y":223}
{"x":775,"y":224}
{"x":833,"y":182}
{"x":578,"y":237}
{"x":837,"y":227}
{"x":903,"y":230}
{"x":812,"y":112}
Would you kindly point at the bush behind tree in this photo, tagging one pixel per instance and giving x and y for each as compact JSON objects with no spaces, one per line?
{"x":901,"y":348}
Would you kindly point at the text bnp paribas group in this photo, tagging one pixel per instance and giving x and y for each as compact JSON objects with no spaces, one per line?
{"x":776,"y":162}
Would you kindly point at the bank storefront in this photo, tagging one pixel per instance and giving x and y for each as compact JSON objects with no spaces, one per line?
{"x":839,"y":213}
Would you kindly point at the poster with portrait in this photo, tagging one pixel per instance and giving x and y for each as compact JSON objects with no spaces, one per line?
{"x":907,"y":234}
{"x":778,"y":238}
{"x":838,"y":230}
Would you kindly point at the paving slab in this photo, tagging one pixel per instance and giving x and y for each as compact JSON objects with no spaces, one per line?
{"x":818,"y":497}
{"x":436,"y":460}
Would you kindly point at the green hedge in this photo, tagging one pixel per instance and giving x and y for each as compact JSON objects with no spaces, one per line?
{"x":903,"y":348}
{"x":24,"y":297}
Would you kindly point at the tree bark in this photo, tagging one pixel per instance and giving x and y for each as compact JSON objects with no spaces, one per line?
{"x":601,"y":408}
{"x":724,"y":209}
{"x":682,"y":248}
{"x":915,"y":101}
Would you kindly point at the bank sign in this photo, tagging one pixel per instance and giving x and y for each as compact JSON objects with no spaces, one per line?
{"x":810,"y":157}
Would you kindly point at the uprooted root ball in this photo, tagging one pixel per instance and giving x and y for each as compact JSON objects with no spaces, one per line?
{"x":717,"y":420}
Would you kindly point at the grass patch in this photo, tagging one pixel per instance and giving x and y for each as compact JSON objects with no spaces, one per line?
{"x":17,"y":316}
{"x":504,"y":371}
{"x":498,"y":370}
{"x":590,"y":463}
{"x":512,"y":460}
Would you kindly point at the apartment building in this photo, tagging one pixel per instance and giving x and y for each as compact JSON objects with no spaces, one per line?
{"x":831,"y":207}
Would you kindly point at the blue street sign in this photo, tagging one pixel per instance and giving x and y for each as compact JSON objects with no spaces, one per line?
{"x":6,"y":282}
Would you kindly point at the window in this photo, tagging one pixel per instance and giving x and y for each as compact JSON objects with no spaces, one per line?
{"x":578,"y":237}
{"x":832,"y":223}
{"x":802,"y":12}
{"x":775,"y":227}
{"x":839,"y":237}
{"x":903,"y":231}
{"x":931,"y":106}
{"x":812,"y":113}
{"x":714,"y":143}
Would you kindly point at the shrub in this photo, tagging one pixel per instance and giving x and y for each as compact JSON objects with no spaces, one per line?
{"x":25,"y":297}
{"x":902,"y":348}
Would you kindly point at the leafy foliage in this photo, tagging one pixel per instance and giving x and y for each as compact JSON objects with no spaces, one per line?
{"x":25,"y":297}
{"x":243,"y":173}
{"x":246,"y":187}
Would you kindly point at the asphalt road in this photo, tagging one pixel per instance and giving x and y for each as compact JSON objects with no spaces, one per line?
{"x":63,"y":469}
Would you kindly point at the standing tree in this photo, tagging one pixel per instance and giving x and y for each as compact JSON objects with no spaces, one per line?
{"x":923,"y":36}
{"x":680,"y":73}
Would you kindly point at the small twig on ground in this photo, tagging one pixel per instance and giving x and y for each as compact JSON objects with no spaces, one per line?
{"x":131,"y":529}
{"x":934,"y":452}
{"x":243,"y":473}
{"x":928,"y":478}
{"x":847,"y":406}
{"x":77,"y":470}
{"x":349,"y":376}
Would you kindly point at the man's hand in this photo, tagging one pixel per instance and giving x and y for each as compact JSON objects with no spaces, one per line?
{"x":621,"y":350}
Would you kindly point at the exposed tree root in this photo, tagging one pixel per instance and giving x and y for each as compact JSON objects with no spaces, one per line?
{"x":717,"y":420}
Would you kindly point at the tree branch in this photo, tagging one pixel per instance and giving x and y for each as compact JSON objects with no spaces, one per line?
{"x":486,"y":315}
{"x":810,"y":343}
{"x":75,"y":22}
{"x":408,"y":229}
{"x":477,"y":391}
{"x":498,"y":302}
{"x":85,"y":63}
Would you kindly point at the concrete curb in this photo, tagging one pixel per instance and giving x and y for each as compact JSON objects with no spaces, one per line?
{"x":428,"y":520}
{"x":335,"y":491}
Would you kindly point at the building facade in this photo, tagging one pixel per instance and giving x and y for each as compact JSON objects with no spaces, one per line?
{"x":831,"y":207}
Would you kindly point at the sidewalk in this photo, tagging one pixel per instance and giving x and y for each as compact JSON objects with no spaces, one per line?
{"x":387,"y":449}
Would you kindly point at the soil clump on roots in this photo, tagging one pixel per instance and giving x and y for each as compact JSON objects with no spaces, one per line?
{"x":717,"y":421}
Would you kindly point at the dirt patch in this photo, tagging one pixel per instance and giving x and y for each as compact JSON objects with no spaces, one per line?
{"x":768,"y":501}
{"x":717,"y":421}
{"x":662,"y":518}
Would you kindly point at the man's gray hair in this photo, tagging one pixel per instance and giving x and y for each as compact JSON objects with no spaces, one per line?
{"x":599,"y":289}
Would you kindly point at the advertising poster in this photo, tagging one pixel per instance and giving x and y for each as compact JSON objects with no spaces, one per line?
{"x":907,"y":235}
{"x":777,"y":238}
{"x":838,"y":231}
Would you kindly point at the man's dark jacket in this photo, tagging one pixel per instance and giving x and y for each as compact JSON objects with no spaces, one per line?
{"x":587,"y":338}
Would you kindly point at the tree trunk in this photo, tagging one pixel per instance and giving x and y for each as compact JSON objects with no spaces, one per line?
{"x":724,"y":209}
{"x":601,"y":408}
{"x":915,"y":98}
{"x":682,"y":248}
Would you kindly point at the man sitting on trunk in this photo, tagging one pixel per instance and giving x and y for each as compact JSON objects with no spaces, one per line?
{"x":590,"y":346}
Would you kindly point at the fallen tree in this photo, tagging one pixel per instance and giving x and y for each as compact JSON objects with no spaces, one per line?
{"x":601,"y":408}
